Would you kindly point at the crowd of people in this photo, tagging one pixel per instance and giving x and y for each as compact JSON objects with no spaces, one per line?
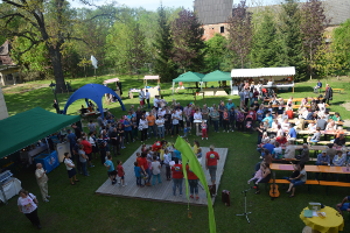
{"x":106,"y":138}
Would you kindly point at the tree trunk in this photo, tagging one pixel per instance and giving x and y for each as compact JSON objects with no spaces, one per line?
{"x":56,"y":58}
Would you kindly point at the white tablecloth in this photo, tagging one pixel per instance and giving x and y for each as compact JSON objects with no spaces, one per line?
{"x":11,"y":188}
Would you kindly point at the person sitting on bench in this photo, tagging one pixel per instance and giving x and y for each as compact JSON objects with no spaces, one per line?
{"x":344,"y":205}
{"x":318,"y":86}
{"x":297,"y":181}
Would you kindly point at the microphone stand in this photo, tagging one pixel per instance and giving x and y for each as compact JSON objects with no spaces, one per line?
{"x":245,"y":206}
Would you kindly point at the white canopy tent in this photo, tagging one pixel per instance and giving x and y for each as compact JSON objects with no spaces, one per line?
{"x":283,"y":76}
{"x":263,"y":72}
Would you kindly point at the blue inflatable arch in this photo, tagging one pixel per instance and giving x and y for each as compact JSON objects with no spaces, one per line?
{"x":94,"y":92}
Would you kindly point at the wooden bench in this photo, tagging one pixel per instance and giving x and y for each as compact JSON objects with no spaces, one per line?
{"x":323,"y":142}
{"x":340,"y":90}
{"x":284,"y":181}
{"x":299,"y":141}
{"x":334,"y":184}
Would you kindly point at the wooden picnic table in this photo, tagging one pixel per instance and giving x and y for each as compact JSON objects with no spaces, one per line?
{"x":311,"y":168}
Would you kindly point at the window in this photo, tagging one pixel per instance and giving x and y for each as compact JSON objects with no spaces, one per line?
{"x":222,"y":29}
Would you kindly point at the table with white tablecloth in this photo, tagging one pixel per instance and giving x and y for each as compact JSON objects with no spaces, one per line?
{"x":11,"y":187}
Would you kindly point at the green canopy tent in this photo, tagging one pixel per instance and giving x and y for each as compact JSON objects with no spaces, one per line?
{"x":188,"y":77}
{"x":28,"y":127}
{"x":218,"y":75}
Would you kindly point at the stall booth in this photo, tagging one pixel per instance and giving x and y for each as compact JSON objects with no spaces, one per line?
{"x":188,"y":77}
{"x":152,"y":90}
{"x":116,"y":82}
{"x":277,"y":78}
{"x":25,"y":138}
{"x":222,"y":78}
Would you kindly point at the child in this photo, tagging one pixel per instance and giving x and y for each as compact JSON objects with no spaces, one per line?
{"x":187,"y":129}
{"x":137,"y":171}
{"x":258,"y":176}
{"x":204,"y":129}
{"x":156,"y":171}
{"x":111,"y":172}
{"x":121,"y":172}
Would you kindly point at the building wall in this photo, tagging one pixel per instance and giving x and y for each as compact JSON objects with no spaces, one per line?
{"x":3,"y":108}
{"x":211,"y":29}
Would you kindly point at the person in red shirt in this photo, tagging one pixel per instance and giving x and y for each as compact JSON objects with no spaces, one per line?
{"x":211,"y":162}
{"x":121,"y":172}
{"x":290,"y":113}
{"x":177,"y":176}
{"x":87,"y":149}
{"x":144,"y":167}
{"x":193,"y":182}
{"x":281,"y":139}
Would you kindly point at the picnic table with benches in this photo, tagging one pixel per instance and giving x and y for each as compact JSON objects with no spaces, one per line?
{"x":313,"y":169}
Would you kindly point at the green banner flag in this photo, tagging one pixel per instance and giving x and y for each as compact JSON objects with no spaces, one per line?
{"x":189,"y":157}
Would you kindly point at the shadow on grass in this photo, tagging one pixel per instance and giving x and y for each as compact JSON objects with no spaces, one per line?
{"x":303,"y":89}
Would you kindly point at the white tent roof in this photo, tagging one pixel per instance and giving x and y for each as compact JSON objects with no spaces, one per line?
{"x":112,"y":80}
{"x":263,"y":72}
{"x":148,"y":77}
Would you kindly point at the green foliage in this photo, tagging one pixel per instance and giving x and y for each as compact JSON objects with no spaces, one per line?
{"x":265,"y":45}
{"x":291,"y":38}
{"x":327,"y":61}
{"x":187,"y":34}
{"x":163,"y":65}
{"x":341,"y":44}
{"x":215,"y":53}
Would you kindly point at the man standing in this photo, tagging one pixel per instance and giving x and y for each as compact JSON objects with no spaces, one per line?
{"x":87,"y":149}
{"x":147,"y":97}
{"x":211,"y":162}
{"x":42,"y":180}
{"x":151,"y":119}
{"x":56,"y":106}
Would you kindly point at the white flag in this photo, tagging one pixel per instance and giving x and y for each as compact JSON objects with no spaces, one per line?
{"x":94,"y":61}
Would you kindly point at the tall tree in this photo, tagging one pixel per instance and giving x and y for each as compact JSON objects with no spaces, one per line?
{"x":187,"y":33}
{"x":215,"y":53}
{"x":290,"y":33}
{"x":240,"y":32}
{"x":164,"y":44}
{"x":265,"y":49}
{"x":313,"y":24}
{"x":41,"y":26}
{"x":341,"y":44}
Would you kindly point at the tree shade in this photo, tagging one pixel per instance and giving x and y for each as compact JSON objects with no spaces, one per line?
{"x":95,"y":92}
{"x":28,"y":127}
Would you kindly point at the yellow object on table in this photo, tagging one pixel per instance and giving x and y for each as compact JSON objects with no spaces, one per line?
{"x":332,"y":223}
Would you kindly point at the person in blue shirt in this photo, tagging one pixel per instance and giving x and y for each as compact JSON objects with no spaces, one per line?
{"x":269,"y":147}
{"x":177,"y":154}
{"x":292,"y":133}
{"x":128,"y":130}
{"x":230,"y":105}
{"x":318,"y":86}
{"x":111,"y":172}
{"x":322,"y":159}
{"x":269,"y":119}
{"x":137,"y":171}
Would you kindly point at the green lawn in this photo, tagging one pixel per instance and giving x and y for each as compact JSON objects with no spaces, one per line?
{"x":78,"y":209}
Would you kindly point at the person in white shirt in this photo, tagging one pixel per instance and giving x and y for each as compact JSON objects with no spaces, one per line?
{"x":143,"y":127}
{"x":175,"y":120}
{"x":160,"y":125}
{"x":142,"y":98}
{"x":167,"y":160}
{"x":28,"y":205}
{"x":155,"y":165}
{"x":290,"y":151}
{"x":42,"y":179}
{"x":197,"y":115}
{"x":156,"y":101}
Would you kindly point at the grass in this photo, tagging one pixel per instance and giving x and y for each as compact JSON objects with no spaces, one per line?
{"x":78,"y":209}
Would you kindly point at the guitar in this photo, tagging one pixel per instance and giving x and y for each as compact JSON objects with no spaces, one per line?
{"x":274,"y":191}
